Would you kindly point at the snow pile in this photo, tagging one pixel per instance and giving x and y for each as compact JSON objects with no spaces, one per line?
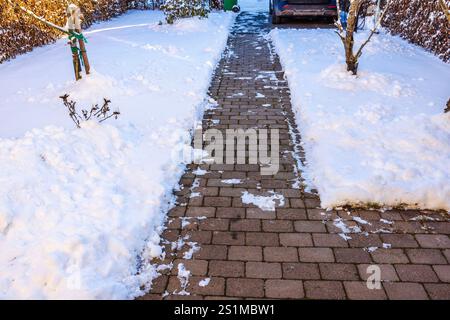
{"x":81,"y":210}
{"x":379,"y":138}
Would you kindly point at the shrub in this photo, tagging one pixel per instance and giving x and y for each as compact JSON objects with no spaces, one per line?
{"x":175,"y":9}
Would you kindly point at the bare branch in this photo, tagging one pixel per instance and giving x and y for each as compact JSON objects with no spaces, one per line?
{"x":338,"y":23}
{"x":101,"y":114}
{"x":374,"y":29}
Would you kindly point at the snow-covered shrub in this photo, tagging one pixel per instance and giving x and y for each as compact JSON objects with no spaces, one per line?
{"x":19,"y":33}
{"x":422,"y":22}
{"x":175,"y":9}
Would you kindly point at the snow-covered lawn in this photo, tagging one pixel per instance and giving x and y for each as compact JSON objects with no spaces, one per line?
{"x":81,"y":209}
{"x":379,"y":138}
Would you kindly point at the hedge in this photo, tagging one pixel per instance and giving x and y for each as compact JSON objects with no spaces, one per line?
{"x":421,"y":22}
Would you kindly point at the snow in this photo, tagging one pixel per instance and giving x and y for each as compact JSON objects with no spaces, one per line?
{"x":81,"y":210}
{"x":265,"y":203}
{"x":378,"y":138}
{"x":204,"y":282}
{"x":183,"y":276}
{"x":199,"y":172}
{"x":231,"y":181}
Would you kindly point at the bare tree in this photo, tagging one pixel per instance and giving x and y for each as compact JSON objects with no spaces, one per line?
{"x":347,"y":34}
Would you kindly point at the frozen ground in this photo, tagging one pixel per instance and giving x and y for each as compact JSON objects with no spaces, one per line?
{"x":81,"y":209}
{"x":381,"y":137}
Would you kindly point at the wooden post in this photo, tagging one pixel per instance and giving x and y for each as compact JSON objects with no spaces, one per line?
{"x":74,"y":24}
{"x":75,"y":58}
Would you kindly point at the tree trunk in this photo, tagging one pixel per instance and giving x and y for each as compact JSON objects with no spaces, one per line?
{"x":350,"y":59}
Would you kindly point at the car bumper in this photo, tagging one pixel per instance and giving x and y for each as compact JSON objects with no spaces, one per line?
{"x":298,"y":11}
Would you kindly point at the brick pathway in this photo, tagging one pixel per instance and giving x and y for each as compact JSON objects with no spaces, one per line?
{"x":298,"y":250}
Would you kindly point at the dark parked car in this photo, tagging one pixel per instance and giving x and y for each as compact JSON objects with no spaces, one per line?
{"x":301,"y":8}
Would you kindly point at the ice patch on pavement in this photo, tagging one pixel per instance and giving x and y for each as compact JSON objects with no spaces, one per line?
{"x":204,"y":282}
{"x":265,"y":203}
{"x":231,"y":181}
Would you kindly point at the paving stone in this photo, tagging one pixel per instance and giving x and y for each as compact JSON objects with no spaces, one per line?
{"x":245,"y":253}
{"x":357,"y":290}
{"x":446,"y":253}
{"x":248,"y":288}
{"x":389,"y":256}
{"x":438,"y":291}
{"x":262,"y":239}
{"x":416,"y":273}
{"x":426,"y":256}
{"x":277,"y":226}
{"x":388,"y":272}
{"x":228,"y":238}
{"x":214,"y":224}
{"x":433,"y":241}
{"x":225,"y":268}
{"x":245,"y":225}
{"x":365,"y":241}
{"x":159,"y":284}
{"x":405,"y":291}
{"x":319,"y":289}
{"x":217,"y":201}
{"x":296,"y":240}
{"x":263,"y":270}
{"x":230,"y":213}
{"x":282,"y":254}
{"x":211,"y":252}
{"x":200,"y":212}
{"x":351,"y":255}
{"x":309,"y":226}
{"x":291,"y":214}
{"x":312,"y":203}
{"x":400,"y":240}
{"x":196,"y":267}
{"x":329,"y":240}
{"x":216,"y":286}
{"x":302,"y":271}
{"x":338,"y":271}
{"x":257,"y":213}
{"x":284,"y":289}
{"x":316,"y":255}
{"x":443,"y":272}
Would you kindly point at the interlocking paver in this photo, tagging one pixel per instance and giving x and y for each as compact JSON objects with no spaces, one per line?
{"x":405,"y":291}
{"x":243,"y":287}
{"x":264,"y":270}
{"x":284,"y":289}
{"x":295,"y":251}
{"x":324,"y":290}
{"x":416,"y":273}
{"x":338,"y":271}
